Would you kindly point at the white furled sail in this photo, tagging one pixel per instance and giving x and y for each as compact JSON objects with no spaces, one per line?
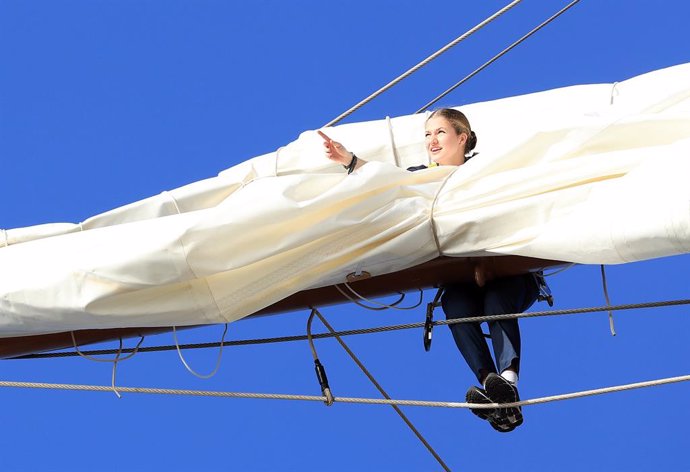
{"x":586,"y":174}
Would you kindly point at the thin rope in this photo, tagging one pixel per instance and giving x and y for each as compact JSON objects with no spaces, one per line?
{"x":380,"y":389}
{"x":114,"y":361}
{"x":380,"y":329}
{"x":220,"y":355}
{"x":360,"y":304}
{"x":165,"y":193}
{"x":7,"y":240}
{"x":432,"y":212}
{"x":614,"y":91}
{"x":88,"y":354}
{"x":356,"y":400}
{"x":497,"y":56}
{"x":608,"y":301}
{"x":114,"y":374}
{"x":562,"y":269}
{"x":423,"y":63}
{"x":381,"y":306}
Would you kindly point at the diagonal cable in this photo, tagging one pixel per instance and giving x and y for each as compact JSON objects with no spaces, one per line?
{"x":381,"y":390}
{"x":423,"y":63}
{"x":497,"y":56}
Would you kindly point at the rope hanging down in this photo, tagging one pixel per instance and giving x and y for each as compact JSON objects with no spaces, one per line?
{"x":366,"y":401}
{"x":379,"y":329}
{"x":497,"y":56}
{"x":423,"y":63}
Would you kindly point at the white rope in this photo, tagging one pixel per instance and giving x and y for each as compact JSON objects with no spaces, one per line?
{"x":192,"y":371}
{"x":114,"y":374}
{"x":94,"y":359}
{"x":380,"y":306}
{"x":424,"y":62}
{"x":356,"y":400}
{"x":7,"y":240}
{"x":614,"y":91}
{"x":173,"y":200}
{"x":114,"y":361}
{"x":373,"y":308}
{"x":562,"y":269}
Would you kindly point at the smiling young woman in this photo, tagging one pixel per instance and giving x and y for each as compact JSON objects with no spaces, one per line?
{"x":450,"y":141}
{"x":449,"y":137}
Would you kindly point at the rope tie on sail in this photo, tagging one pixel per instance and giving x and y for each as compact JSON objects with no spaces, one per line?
{"x":330,"y":398}
{"x":379,"y":329}
{"x":379,"y":306}
{"x":391,"y":136}
{"x":355,"y":400}
{"x":424,"y":62}
{"x":432,"y":211}
{"x":174,"y":328}
{"x":5,"y":238}
{"x":614,"y":92}
{"x":170,"y":196}
{"x":218,"y":359}
{"x":497,"y":56}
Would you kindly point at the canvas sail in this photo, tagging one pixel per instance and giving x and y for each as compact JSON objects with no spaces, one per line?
{"x":585,"y":174}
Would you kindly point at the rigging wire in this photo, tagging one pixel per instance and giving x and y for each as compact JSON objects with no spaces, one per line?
{"x":422,"y":63}
{"x":498,"y":56}
{"x":380,"y":329}
{"x":371,"y":378}
{"x":356,"y":400}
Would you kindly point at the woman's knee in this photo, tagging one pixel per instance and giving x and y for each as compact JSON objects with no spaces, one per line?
{"x":461,"y":301}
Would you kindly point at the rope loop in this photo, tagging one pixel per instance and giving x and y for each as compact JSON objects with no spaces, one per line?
{"x":218,"y":360}
{"x":380,"y":306}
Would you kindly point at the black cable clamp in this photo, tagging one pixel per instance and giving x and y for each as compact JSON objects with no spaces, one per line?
{"x":428,"y":326}
{"x":323,"y":382}
{"x":429,"y":323}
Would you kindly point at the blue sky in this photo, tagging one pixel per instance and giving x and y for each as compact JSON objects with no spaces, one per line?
{"x":107,"y":102}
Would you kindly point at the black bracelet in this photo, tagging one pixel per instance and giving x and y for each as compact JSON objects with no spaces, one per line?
{"x":351,"y":166}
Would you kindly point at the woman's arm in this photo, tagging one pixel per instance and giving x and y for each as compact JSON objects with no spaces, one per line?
{"x":337,"y":152}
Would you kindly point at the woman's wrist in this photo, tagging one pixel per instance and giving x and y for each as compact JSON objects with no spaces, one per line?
{"x":352,"y":165}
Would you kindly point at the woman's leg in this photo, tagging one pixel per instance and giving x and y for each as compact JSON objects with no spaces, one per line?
{"x":461,"y":301}
{"x":508,"y":295}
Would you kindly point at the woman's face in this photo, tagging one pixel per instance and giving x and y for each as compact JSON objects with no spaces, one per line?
{"x":443,"y":144}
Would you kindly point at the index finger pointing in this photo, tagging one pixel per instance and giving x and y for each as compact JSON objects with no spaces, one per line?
{"x":323,"y":135}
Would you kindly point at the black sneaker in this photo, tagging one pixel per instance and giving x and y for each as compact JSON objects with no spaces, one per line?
{"x":500,"y":390}
{"x":478,"y":395}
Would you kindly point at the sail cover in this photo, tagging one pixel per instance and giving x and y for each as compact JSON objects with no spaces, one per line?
{"x":588,"y":174}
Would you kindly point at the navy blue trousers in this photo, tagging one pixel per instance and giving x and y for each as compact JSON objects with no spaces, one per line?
{"x":500,"y":296}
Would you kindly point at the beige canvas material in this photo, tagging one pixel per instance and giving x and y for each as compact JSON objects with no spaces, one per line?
{"x":586,"y":174}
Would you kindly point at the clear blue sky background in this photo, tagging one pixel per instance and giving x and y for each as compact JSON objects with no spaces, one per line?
{"x":106,"y":102}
